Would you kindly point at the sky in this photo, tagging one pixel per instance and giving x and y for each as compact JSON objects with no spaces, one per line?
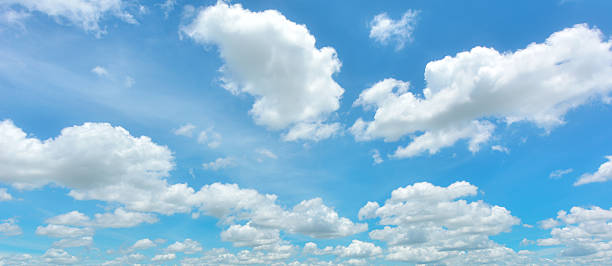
{"x":171,"y":132}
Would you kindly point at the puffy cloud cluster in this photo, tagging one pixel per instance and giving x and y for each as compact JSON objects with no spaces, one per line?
{"x":76,"y":229}
{"x":603,"y":174}
{"x":537,"y":84}
{"x":221,"y":256}
{"x":585,"y":235}
{"x":85,"y":14}
{"x":424,"y":223}
{"x":385,"y":30}
{"x":289,"y":77}
{"x":357,"y":249}
{"x":102,"y":162}
{"x":310,"y":217}
{"x":9,"y":227}
{"x":188,"y":247}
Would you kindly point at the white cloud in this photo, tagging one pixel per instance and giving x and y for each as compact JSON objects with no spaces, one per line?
{"x":121,"y":218}
{"x":58,"y":256}
{"x":584,"y":234}
{"x":219,"y":163}
{"x":185,"y":130}
{"x":247,"y":235}
{"x":357,"y":249}
{"x":310,"y":217}
{"x":100,"y":71}
{"x":289,"y":77}
{"x":188,"y":247}
{"x":312,"y":131}
{"x":84,"y":241}
{"x":167,"y":7}
{"x":538,"y":84}
{"x":62,"y":231}
{"x":13,"y":17}
{"x":376,"y":157}
{"x":100,"y":162}
{"x":85,"y":14}
{"x":267,"y":153}
{"x":220,"y":256}
{"x":9,"y":227}
{"x":143,"y":244}
{"x":97,"y":162}
{"x":209,"y":137}
{"x":603,"y":174}
{"x":127,"y":259}
{"x":424,"y":223}
{"x":559,"y":173}
{"x":500,"y":148}
{"x":73,"y":218}
{"x":385,"y":30}
{"x":4,"y":195}
{"x":164,"y":257}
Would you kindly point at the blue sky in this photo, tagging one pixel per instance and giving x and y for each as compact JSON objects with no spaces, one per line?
{"x":305,"y":132}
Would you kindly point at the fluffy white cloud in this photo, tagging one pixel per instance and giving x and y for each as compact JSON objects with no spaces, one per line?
{"x":424,"y":223}
{"x":4,"y":195}
{"x":538,"y":84}
{"x":357,"y":249}
{"x":100,"y":71}
{"x":247,"y":235}
{"x":85,"y":14}
{"x":603,"y":174}
{"x":84,"y":241}
{"x":101,"y":162}
{"x":127,"y":259}
{"x":121,"y":218}
{"x":220,"y":256}
{"x":9,"y":228}
{"x":97,"y":162}
{"x":58,"y":256}
{"x":143,"y":244}
{"x":188,"y":247}
{"x":164,"y":257}
{"x":290,"y":78}
{"x":310,"y":217}
{"x":219,"y":163}
{"x":63,"y":231}
{"x":585,"y":235}
{"x":385,"y":30}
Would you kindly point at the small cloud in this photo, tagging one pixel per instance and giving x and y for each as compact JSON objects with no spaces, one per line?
{"x":559,"y":173}
{"x":185,"y":130}
{"x":376,"y":157}
{"x":527,"y":242}
{"x":267,"y":153}
{"x":210,"y":138}
{"x":100,"y":71}
{"x":603,"y":174}
{"x":219,"y":163}
{"x":500,"y":148}
{"x":385,"y":30}
{"x":4,"y":195}
{"x":167,"y":7}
